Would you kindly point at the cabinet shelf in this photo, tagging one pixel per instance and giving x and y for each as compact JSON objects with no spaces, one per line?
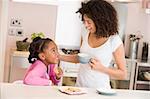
{"x":144,"y":64}
{"x":143,"y":82}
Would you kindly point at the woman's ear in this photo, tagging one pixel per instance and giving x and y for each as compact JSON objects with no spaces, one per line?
{"x":42,"y":56}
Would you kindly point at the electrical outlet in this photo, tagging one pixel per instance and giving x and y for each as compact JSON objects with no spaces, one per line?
{"x":19,"y":32}
{"x":16,"y":22}
{"x":12,"y":31}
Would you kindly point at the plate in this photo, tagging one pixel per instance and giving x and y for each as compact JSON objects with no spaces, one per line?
{"x":73,"y":90}
{"x":106,"y":91}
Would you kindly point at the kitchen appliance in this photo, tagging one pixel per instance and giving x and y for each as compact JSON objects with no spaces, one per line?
{"x":133,"y":46}
{"x":144,"y":52}
{"x":133,"y":50}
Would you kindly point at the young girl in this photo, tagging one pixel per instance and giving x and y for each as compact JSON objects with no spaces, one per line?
{"x":43,"y":56}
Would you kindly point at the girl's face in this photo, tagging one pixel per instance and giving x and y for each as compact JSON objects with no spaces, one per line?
{"x":89,"y":24}
{"x":50,"y":55}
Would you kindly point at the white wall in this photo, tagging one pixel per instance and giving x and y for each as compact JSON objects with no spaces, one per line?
{"x":1,"y":64}
{"x":35,"y":18}
{"x":136,"y":21}
{"x":0,"y":9}
{"x":122,"y":11}
{"x":3,"y":30}
{"x":147,"y":38}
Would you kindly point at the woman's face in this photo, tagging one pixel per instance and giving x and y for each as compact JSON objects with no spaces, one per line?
{"x":51,"y":54}
{"x":89,"y":24}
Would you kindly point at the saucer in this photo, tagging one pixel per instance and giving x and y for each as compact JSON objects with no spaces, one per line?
{"x":106,"y":91}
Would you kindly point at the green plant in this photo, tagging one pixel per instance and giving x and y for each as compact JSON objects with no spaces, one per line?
{"x":34,"y":35}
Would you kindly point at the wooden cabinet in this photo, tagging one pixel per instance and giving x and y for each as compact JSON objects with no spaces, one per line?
{"x":70,"y":72}
{"x":19,"y":64}
{"x":135,"y":78}
{"x":142,"y":75}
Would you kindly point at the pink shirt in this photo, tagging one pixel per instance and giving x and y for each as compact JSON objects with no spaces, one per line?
{"x":37,"y":74}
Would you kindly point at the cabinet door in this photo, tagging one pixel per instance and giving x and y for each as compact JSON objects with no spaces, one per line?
{"x":18,"y":68}
{"x":142,"y":77}
{"x":69,"y":25}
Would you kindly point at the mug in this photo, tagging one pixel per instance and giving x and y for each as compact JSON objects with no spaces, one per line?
{"x":84,"y":58}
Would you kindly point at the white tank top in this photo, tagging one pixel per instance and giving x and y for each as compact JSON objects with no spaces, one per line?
{"x":95,"y":79}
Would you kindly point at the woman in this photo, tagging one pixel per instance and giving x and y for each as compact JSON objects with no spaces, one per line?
{"x":103,"y":43}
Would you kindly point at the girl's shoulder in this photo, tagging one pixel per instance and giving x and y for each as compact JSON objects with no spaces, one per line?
{"x":38,"y":64}
{"x":37,"y":67}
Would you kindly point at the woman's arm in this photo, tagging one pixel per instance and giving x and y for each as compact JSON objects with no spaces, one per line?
{"x":120,"y":72}
{"x":69,"y":58}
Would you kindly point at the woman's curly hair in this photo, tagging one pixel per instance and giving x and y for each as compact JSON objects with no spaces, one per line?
{"x":103,"y":15}
{"x":37,"y":46}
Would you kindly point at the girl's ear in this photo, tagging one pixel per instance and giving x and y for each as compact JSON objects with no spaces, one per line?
{"x":42,"y":56}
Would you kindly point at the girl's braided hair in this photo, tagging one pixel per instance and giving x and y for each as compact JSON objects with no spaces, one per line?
{"x":37,"y":46}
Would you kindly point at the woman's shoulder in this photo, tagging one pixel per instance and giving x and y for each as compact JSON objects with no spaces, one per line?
{"x":115,"y":38}
{"x":115,"y":41}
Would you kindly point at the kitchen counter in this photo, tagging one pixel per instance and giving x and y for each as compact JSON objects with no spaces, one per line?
{"x":20,"y":91}
{"x":21,"y":53}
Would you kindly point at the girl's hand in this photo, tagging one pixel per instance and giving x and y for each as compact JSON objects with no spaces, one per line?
{"x":96,"y":65}
{"x":58,"y":72}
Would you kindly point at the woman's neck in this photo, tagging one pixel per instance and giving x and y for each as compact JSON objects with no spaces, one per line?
{"x":94,"y":41}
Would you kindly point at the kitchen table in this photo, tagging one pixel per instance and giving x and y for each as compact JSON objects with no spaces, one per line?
{"x":20,"y":91}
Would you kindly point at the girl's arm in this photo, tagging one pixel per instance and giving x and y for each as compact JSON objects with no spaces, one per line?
{"x":34,"y":77}
{"x":36,"y":80}
{"x":53,"y":76}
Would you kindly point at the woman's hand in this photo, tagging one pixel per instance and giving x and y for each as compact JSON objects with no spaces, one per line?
{"x":96,"y":65}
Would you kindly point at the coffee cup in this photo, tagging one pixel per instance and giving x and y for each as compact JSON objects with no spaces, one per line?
{"x":84,"y":58}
